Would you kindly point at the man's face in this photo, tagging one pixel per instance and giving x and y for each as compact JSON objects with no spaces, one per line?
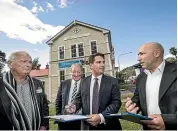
{"x":98,"y":65}
{"x":76,"y":72}
{"x":22,"y":64}
{"x":146,"y":56}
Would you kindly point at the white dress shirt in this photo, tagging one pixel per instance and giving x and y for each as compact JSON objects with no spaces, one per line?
{"x":152,"y":89}
{"x":91,"y":94}
{"x":72,"y":88}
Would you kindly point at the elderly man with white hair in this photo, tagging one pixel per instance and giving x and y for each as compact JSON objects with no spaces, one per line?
{"x":22,"y":99}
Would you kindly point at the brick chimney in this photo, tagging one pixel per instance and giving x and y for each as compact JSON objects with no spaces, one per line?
{"x":47,"y":66}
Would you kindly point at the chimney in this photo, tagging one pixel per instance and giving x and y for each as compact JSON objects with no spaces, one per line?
{"x":38,"y":67}
{"x":47,"y":66}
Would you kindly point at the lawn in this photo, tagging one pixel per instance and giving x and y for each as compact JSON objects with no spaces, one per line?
{"x":126,"y":125}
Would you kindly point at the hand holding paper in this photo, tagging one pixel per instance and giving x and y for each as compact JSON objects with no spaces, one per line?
{"x":94,"y":119}
{"x":70,"y":108}
{"x":156,"y":124}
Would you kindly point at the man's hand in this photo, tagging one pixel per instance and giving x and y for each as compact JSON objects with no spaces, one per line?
{"x":156,"y":124}
{"x":70,"y":109}
{"x":130,"y":106}
{"x":43,"y":128}
{"x":94,"y":119}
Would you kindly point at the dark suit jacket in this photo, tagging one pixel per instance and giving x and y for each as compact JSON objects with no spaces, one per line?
{"x":167,"y":95}
{"x":5,"y":106}
{"x":5,"y":118}
{"x":109,"y":100}
{"x":61,"y":102}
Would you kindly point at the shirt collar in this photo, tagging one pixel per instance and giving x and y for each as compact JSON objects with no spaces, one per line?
{"x":99,"y":77}
{"x":73,"y":81}
{"x":160,"y":68}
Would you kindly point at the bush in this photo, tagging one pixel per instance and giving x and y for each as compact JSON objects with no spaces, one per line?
{"x":124,"y":87}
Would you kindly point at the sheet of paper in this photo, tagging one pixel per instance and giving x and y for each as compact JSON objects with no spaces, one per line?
{"x":66,"y":118}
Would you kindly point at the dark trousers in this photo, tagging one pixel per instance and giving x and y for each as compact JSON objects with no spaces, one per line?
{"x":74,"y":125}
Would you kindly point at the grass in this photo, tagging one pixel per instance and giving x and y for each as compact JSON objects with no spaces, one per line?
{"x":126,"y":125}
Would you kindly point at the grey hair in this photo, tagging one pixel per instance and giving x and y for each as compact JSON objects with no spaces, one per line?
{"x":81,"y":67}
{"x":13,"y":55}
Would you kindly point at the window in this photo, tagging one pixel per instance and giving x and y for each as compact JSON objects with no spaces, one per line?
{"x":62,"y":75}
{"x":73,"y":51}
{"x":93,"y":47}
{"x":80,"y":49}
{"x":61,"y":52}
{"x":83,"y":73}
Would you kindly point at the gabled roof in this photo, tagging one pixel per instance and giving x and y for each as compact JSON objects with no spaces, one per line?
{"x":38,"y":73}
{"x":75,"y":22}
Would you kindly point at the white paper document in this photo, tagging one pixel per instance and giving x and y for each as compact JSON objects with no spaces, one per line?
{"x":67,"y":118}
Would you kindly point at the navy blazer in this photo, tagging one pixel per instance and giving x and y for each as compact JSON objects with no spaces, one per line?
{"x":109,"y":100}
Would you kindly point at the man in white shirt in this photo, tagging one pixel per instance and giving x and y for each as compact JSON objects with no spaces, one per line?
{"x":66,"y":94}
{"x":98,"y":94}
{"x":156,"y":89}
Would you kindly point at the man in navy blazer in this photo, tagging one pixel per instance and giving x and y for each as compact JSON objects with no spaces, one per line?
{"x":156,"y":89}
{"x":98,"y":95}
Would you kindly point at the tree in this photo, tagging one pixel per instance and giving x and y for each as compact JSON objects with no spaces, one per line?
{"x":120,"y":77}
{"x":35,"y":63}
{"x":173,"y":51}
{"x":2,"y":61}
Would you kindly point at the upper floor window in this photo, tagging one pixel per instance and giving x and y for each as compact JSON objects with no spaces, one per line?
{"x":83,"y":73}
{"x":93,"y":47}
{"x":80,"y":49}
{"x":62,"y":75}
{"x":73,"y":51}
{"x":61,"y":52}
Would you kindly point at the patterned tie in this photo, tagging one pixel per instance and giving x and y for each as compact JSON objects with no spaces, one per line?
{"x":74,"y":92}
{"x":95,"y":97}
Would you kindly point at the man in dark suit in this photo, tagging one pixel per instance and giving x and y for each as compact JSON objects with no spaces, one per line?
{"x":156,"y":89}
{"x":66,"y":94}
{"x":98,"y":94}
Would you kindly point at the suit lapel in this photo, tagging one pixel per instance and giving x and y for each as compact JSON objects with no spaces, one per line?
{"x":102,"y":88}
{"x":68,"y":86}
{"x":88,"y":81}
{"x":167,"y":78}
{"x":142,"y":88}
{"x":5,"y":100}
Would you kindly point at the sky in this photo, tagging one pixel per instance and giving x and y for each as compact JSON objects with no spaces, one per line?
{"x":28,"y":24}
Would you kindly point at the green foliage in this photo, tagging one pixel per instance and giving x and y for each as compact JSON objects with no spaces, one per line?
{"x":173,"y":51}
{"x":2,"y":60}
{"x":35,"y":63}
{"x":120,"y":77}
{"x":171,"y":60}
{"x":52,"y":112}
{"x":125,"y":87}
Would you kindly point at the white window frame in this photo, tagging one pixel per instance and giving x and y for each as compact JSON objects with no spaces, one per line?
{"x":71,"y":51}
{"x":59,"y":53}
{"x":60,"y":74}
{"x":90,"y":46}
{"x":83,"y":49}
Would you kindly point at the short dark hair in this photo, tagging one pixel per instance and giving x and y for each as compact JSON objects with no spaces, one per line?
{"x":92,"y":57}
